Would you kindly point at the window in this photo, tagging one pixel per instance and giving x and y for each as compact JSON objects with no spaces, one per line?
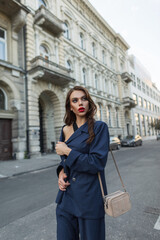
{"x":41,"y":2}
{"x":106,"y":86}
{"x":82,"y":40}
{"x":114,"y":90}
{"x":108,"y":110}
{"x":143,"y":87}
{"x":137,"y":123}
{"x":93,"y":49}
{"x":117,"y":118}
{"x":143,"y":125}
{"x":3,"y":45}
{"x":69,"y":65}
{"x":44,"y":52}
{"x":84,"y":75}
{"x":149,"y":106}
{"x":145,"y":104}
{"x":103,"y":57}
{"x":99,"y":111}
{"x":96,"y":81}
{"x":147,"y":90}
{"x":66,"y":29}
{"x":140,"y":101}
{"x":135,"y":98}
{"x":139,"y":83}
{"x":111,"y":62}
{"x":2,"y":100}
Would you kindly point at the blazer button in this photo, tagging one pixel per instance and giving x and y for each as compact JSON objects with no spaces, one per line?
{"x":73,"y":179}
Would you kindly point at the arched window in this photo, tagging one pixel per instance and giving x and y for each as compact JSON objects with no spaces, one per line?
{"x":69,"y":65}
{"x":3,"y":44}
{"x":84,"y":75}
{"x":41,"y":2}
{"x":44,"y":52}
{"x":93,"y":49}
{"x":81,"y":40}
{"x":96,"y":81}
{"x":66,"y":28}
{"x":2,"y":100}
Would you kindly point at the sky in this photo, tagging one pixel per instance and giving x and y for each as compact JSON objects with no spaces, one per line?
{"x":138,"y":22}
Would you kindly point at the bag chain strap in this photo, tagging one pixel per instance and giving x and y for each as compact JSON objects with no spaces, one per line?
{"x":99,"y":176}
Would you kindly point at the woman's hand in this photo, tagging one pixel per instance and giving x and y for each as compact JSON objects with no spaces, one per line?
{"x":62,"y":184}
{"x":62,"y":149}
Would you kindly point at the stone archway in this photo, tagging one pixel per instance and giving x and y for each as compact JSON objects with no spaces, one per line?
{"x":48,"y":107}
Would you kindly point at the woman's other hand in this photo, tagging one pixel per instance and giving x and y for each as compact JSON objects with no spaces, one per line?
{"x":62,"y":149}
{"x":61,"y":181}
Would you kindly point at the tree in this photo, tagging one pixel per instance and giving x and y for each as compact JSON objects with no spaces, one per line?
{"x":156,"y":124}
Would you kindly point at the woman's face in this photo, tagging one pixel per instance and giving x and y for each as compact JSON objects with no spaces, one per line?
{"x":79,"y":103}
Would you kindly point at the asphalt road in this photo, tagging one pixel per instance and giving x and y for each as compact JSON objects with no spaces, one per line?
{"x":27,"y":208}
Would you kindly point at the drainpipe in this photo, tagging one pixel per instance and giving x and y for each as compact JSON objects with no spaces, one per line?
{"x":26,"y":96}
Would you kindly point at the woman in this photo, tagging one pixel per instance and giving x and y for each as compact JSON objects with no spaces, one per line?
{"x":83,"y":148}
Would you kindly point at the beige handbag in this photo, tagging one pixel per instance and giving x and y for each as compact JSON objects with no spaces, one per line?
{"x":117,"y":203}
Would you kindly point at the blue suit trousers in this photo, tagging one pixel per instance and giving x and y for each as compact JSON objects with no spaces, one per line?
{"x":70,"y":227}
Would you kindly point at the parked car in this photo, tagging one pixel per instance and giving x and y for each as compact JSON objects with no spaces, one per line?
{"x":158,"y":136}
{"x":132,"y":141}
{"x":115,"y":143}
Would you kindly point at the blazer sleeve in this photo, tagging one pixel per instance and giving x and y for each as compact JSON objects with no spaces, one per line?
{"x":96,"y":159}
{"x":61,"y":164}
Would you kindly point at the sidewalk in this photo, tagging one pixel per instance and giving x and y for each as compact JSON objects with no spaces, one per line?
{"x":12,"y":168}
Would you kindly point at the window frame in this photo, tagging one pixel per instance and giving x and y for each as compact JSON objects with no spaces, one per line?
{"x":5,"y":44}
{"x":47,"y":55}
{"x":67,"y":30}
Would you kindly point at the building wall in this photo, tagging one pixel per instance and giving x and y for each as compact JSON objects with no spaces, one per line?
{"x":147,"y":97}
{"x":12,"y":85}
{"x":98,"y":68}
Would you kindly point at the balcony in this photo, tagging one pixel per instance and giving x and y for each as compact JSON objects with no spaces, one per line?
{"x":43,"y":17}
{"x":46,"y":70}
{"x":16,"y":11}
{"x":126,"y":77}
{"x":128,"y":102}
{"x":11,"y":7}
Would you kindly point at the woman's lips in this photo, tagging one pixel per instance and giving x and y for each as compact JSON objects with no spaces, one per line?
{"x":81,"y":109}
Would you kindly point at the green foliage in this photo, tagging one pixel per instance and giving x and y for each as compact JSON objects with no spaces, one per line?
{"x":156,"y":125}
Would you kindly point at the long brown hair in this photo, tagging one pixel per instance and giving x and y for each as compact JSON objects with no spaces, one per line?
{"x":70,"y":117}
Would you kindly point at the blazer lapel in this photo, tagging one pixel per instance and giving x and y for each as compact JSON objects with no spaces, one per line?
{"x":78,"y":132}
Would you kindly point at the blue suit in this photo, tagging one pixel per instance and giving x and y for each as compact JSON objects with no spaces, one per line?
{"x":83,"y":198}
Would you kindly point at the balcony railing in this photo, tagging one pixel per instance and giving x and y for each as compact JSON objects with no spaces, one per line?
{"x":49,"y":71}
{"x":128,"y":102}
{"x":126,"y":77}
{"x":48,"y":21}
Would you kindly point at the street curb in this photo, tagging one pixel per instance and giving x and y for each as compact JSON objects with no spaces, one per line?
{"x":29,"y":171}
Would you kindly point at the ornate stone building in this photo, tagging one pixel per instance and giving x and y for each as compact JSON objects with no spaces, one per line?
{"x":147,"y":98}
{"x":12,"y":80}
{"x":68,"y":43}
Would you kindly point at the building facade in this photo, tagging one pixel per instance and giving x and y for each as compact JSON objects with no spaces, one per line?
{"x":67,"y":43}
{"x":147,"y":98}
{"x":12,"y":80}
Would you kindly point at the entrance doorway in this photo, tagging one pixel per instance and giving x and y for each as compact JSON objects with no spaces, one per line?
{"x":5,"y":139}
{"x":47,"y":105}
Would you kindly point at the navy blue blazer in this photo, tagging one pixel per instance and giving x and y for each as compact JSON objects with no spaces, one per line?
{"x":83,"y":198}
